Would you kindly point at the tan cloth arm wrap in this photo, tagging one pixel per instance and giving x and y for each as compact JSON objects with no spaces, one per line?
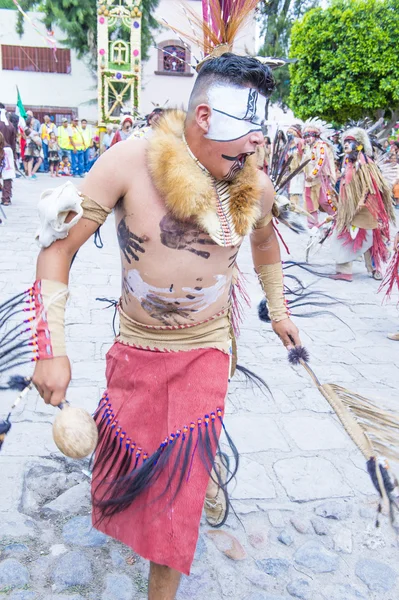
{"x":263,"y":221}
{"x":94,"y":211}
{"x":271,"y":280}
{"x":51,"y":319}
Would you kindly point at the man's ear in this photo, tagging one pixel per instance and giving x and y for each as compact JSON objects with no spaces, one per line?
{"x":203,"y":116}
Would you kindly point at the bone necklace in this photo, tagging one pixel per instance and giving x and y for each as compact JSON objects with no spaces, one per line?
{"x":226,"y":234}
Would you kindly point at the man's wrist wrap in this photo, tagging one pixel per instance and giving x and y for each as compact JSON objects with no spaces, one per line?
{"x":50,"y":299}
{"x":271,"y":280}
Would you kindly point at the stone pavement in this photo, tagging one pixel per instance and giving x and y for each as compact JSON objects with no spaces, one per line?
{"x":304,"y":506}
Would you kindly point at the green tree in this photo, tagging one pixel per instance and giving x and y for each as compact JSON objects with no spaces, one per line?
{"x":348,"y":65}
{"x":78,"y":21}
{"x":9,"y":4}
{"x":276,"y":18}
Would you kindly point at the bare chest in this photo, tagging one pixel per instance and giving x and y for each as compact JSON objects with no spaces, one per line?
{"x":172,"y":271}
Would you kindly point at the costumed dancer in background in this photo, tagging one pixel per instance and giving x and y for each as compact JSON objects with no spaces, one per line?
{"x":7,"y":155}
{"x":296,"y":184}
{"x":364,"y":209}
{"x":150,"y":121}
{"x":320,"y":174}
{"x":180,"y":224}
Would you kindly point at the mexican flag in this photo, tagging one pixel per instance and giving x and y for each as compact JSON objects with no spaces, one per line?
{"x":19,"y":109}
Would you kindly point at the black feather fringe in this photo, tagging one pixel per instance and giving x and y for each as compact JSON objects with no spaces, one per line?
{"x":136,"y":472}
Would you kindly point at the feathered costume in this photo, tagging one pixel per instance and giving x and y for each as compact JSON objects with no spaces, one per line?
{"x":320,"y":175}
{"x":364,"y":208}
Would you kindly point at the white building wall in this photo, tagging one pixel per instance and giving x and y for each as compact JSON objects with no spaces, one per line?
{"x":45,"y":89}
{"x":159,"y":88}
{"x":77,"y":88}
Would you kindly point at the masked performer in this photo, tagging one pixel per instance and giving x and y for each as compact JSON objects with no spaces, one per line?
{"x":180,"y":223}
{"x":320,"y":175}
{"x":364,"y":209}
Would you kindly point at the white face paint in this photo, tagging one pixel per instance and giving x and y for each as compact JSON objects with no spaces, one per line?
{"x":236,"y":111}
{"x":197,"y":300}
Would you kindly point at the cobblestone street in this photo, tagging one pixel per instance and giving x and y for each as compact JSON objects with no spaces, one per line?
{"x":304,"y":506}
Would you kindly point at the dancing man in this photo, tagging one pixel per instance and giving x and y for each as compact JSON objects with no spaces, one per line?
{"x":320,"y":174}
{"x":180,"y":223}
{"x":364,"y":209}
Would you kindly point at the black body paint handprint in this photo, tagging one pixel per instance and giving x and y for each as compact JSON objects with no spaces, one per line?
{"x":179,"y":235}
{"x":129,"y":242}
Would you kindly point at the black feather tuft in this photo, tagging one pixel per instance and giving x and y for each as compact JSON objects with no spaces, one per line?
{"x":297,"y":354}
{"x":16,"y":382}
{"x":263,"y":311}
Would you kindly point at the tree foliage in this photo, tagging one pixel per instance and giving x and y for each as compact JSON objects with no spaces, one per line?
{"x":78,"y":21}
{"x":9,"y":4}
{"x":348,"y":64}
{"x":276,"y":18}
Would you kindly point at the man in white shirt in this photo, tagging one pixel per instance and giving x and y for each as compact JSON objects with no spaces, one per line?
{"x":107,"y":139}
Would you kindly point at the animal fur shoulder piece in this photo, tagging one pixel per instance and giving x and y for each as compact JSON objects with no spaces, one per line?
{"x":189,"y":191}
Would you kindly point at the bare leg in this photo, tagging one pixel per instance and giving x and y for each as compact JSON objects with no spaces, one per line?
{"x":163,"y":582}
{"x":37,"y":165}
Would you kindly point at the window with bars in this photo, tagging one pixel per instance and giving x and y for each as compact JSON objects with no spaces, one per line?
{"x":174,"y":59}
{"x":37,"y":60}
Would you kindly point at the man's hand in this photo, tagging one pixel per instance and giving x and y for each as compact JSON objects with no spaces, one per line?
{"x":286,"y":330}
{"x":51,"y":379}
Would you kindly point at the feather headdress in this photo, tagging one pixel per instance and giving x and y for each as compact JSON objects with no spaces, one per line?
{"x":360,"y":135}
{"x":324,"y":130}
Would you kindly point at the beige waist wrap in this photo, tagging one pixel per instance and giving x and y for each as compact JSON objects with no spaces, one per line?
{"x":271,"y":280}
{"x":94,"y":211}
{"x":211,"y":333}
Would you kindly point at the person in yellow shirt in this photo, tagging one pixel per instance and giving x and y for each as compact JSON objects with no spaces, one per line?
{"x":45,"y":129}
{"x":87,"y":134}
{"x":78,"y":144}
{"x":64,"y":135}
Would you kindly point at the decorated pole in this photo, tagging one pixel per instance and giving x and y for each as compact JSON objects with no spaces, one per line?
{"x":119,"y":59}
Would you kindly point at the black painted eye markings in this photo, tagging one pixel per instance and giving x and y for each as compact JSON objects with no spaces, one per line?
{"x":251,"y":105}
{"x":129,"y":242}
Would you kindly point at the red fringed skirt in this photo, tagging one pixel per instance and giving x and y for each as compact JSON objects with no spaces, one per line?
{"x":159,"y":424}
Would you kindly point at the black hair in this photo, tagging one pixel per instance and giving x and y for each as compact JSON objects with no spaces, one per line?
{"x":238,"y":70}
{"x":2,"y":105}
{"x":14,"y":120}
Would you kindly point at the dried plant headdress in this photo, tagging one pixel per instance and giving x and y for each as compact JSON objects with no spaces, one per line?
{"x":215,"y":31}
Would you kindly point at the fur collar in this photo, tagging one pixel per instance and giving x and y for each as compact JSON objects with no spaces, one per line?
{"x":188,"y":191}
